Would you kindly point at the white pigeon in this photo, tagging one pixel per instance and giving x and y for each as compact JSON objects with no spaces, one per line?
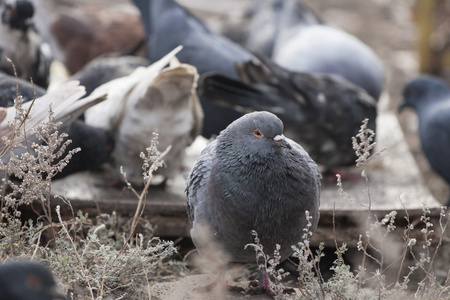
{"x":151,"y":100}
{"x":66,"y":105}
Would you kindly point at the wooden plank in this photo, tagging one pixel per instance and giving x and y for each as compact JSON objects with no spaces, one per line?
{"x":170,"y":219}
{"x":395,"y":183}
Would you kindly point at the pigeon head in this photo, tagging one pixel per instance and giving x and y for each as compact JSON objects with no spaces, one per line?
{"x":18,"y":15}
{"x":258,"y":130}
{"x":27,"y":281}
{"x":424,"y":90}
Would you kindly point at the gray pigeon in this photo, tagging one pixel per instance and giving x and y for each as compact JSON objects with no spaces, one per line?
{"x":296,"y":38}
{"x":430,"y":97}
{"x":168,"y":25}
{"x":252,"y":178}
{"x":27,"y":281}
{"x":322,"y":112}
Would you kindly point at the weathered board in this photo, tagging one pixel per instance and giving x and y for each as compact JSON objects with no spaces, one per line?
{"x":395,"y":183}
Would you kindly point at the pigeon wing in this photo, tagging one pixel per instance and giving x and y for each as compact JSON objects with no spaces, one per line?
{"x":198,"y":178}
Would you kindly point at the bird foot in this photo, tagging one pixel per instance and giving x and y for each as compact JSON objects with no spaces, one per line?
{"x":264,"y":287}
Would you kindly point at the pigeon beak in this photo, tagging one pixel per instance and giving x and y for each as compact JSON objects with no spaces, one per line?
{"x":281,"y":141}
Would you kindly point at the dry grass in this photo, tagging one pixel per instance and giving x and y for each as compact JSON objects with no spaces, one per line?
{"x":104,"y":256}
{"x":111,"y":258}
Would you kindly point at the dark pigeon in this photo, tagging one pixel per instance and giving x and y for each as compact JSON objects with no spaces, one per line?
{"x":27,"y":281}
{"x":104,"y":69}
{"x":253,"y":178}
{"x":96,"y":144}
{"x":11,"y":87}
{"x":296,"y":38}
{"x":18,"y":14}
{"x":322,"y":112}
{"x":168,"y":25}
{"x":429,"y":96}
{"x":22,"y":44}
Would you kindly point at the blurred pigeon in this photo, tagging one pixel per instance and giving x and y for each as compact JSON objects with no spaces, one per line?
{"x":79,"y":31}
{"x":168,"y":25}
{"x":96,"y":146}
{"x":18,"y":14}
{"x":104,"y":69}
{"x":253,"y":178}
{"x":324,"y":49}
{"x":322,"y":112}
{"x":65,"y":105}
{"x":430,"y":97}
{"x":151,"y":99}
{"x":20,"y":43}
{"x":296,"y":38}
{"x":270,"y":18}
{"x":27,"y":281}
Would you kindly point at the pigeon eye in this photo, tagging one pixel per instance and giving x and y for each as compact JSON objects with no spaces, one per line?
{"x":32,"y":282}
{"x":409,"y":91}
{"x":258,"y":133}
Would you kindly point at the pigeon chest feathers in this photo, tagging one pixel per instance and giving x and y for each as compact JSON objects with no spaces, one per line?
{"x":260,"y":180}
{"x":255,"y":179}
{"x":266,"y":191}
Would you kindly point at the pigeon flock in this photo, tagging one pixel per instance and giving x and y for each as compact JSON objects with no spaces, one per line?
{"x":159,"y":69}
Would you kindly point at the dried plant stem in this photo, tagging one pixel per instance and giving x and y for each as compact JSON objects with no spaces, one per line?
{"x":334,"y":234}
{"x":303,"y":293}
{"x":447,"y":281}
{"x":443,"y":227}
{"x":143,"y":196}
{"x":406,"y":236}
{"x":22,"y":124}
{"x":37,"y":246}
{"x":21,"y":233}
{"x":149,"y":289}
{"x":80,"y":261}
